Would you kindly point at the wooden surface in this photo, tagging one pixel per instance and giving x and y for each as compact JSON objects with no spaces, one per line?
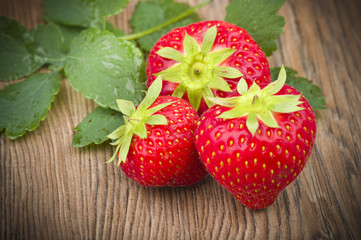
{"x":50,"y":190}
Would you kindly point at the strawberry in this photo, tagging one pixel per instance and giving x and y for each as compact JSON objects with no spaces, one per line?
{"x":206,"y":59}
{"x":257,"y":143}
{"x":155,"y":146}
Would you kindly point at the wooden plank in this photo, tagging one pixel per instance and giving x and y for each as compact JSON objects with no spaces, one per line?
{"x":50,"y":190}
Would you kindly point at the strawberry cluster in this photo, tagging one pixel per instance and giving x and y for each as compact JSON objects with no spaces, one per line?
{"x":253,"y":136}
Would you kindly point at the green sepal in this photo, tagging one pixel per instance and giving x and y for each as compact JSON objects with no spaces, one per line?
{"x":275,"y":87}
{"x":170,"y":53}
{"x":252,"y":123}
{"x":227,"y":72}
{"x":242,"y":86}
{"x":157,"y":119}
{"x":259,"y":104}
{"x":287,"y":107}
{"x":173,"y":74}
{"x":179,"y":91}
{"x":220,"y":84}
{"x":126,"y":107}
{"x":157,"y":108}
{"x":124,"y":149}
{"x":191,"y":46}
{"x":310,"y":91}
{"x":226,"y":102}
{"x":140,"y":130}
{"x":238,"y":111}
{"x":114,"y":154}
{"x":197,"y":71}
{"x":217,"y":57}
{"x":268,"y":119}
{"x":135,"y":120}
{"x":208,"y":40}
{"x":117,"y":133}
{"x":195,"y":98}
{"x":152,"y":94}
{"x":208,"y":94}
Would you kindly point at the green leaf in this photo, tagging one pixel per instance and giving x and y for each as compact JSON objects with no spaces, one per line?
{"x":68,"y":32}
{"x":152,"y":13}
{"x":96,"y":126}
{"x":17,"y":57}
{"x":49,"y":43}
{"x":72,"y":12}
{"x":110,"y":7}
{"x":104,"y":68}
{"x":84,"y":13}
{"x":259,"y":19}
{"x":116,"y":31}
{"x":24,"y":104}
{"x":311,"y":92}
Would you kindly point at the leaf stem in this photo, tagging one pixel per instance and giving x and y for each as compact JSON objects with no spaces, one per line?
{"x":163,"y":25}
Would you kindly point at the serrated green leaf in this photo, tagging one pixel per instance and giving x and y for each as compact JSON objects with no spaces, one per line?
{"x":152,"y":13}
{"x":259,"y":19}
{"x":311,"y":92}
{"x":96,"y":126}
{"x":49,"y":43}
{"x":68,"y":32}
{"x":116,"y":31}
{"x":23,"y":105}
{"x":104,"y":68}
{"x":110,"y":7}
{"x":84,"y":13}
{"x":72,"y":12}
{"x":17,"y":58}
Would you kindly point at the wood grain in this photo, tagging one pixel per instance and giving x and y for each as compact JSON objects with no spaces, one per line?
{"x":50,"y":190}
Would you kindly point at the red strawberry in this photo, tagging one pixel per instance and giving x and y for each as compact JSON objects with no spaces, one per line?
{"x":205,"y":59}
{"x":156,"y":145}
{"x":257,"y":144}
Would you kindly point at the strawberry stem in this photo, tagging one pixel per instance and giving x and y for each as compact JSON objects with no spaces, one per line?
{"x":165,"y":24}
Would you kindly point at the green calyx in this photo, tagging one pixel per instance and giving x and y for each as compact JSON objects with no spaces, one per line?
{"x":135,"y":120}
{"x":259,"y":104}
{"x":198,"y":70}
